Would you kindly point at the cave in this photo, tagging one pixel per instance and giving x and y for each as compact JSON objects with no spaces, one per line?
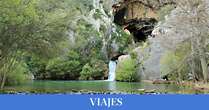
{"x":116,"y":56}
{"x":119,"y":16}
{"x":141,"y":28}
{"x":139,"y":19}
{"x":119,"y":13}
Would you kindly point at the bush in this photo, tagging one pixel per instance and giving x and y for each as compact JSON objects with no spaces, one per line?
{"x":86,"y":73}
{"x":36,"y":66}
{"x":18,"y":75}
{"x":66,"y":68}
{"x":173,"y":64}
{"x":96,"y":70}
{"x":127,"y":71}
{"x":63,"y":69}
{"x":121,"y":40}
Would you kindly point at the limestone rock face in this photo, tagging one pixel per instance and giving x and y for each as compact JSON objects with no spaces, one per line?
{"x":123,"y":57}
{"x":126,"y":10}
{"x":149,"y":58}
{"x":138,"y":16}
{"x":141,"y":28}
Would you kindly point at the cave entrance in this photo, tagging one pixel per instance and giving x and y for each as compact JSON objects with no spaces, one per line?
{"x":140,"y":28}
{"x":136,"y":17}
{"x":116,"y":56}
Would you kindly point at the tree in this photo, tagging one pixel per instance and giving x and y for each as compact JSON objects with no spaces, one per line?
{"x":126,"y":70}
{"x":24,"y":28}
{"x":94,"y":70}
{"x":188,"y":23}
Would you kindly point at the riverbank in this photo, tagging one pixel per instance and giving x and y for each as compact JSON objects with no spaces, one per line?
{"x":78,"y":92}
{"x":199,"y":87}
{"x":104,"y":87}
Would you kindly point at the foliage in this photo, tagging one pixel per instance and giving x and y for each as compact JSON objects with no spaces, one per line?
{"x":127,"y":70}
{"x":27,"y":27}
{"x":88,"y":41}
{"x":175,"y":64}
{"x":121,"y":39}
{"x":64,"y":68}
{"x":68,"y":67}
{"x":188,"y":22}
{"x":59,"y":37}
{"x":86,"y":72}
{"x":95,"y":70}
{"x":173,"y":68}
{"x":36,"y":65}
{"x":19,"y":74}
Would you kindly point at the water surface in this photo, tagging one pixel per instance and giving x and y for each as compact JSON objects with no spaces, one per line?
{"x":99,"y":86}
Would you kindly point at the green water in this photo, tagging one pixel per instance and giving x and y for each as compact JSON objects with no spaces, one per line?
{"x":98,"y":86}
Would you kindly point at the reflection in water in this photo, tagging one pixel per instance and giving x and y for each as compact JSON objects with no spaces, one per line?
{"x":66,"y":86}
{"x":112,"y":86}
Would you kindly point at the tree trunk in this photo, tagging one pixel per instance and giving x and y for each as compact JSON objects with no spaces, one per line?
{"x":192,"y":65}
{"x":3,"y":81}
{"x":204,"y":68}
{"x":6,"y":66}
{"x":202,"y":57}
{"x":203,"y":64}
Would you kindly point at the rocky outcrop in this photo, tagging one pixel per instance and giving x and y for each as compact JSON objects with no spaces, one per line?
{"x":123,"y":57}
{"x":141,"y":28}
{"x":149,"y":57}
{"x":138,"y":16}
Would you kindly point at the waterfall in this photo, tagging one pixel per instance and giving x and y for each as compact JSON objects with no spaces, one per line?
{"x":112,"y":69}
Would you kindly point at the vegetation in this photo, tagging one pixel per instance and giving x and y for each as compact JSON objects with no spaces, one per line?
{"x":39,"y":29}
{"x":193,"y":16}
{"x":65,"y":68}
{"x":127,"y":70}
{"x":173,"y":64}
{"x":96,"y":70}
{"x":53,"y":39}
{"x":75,"y":39}
{"x":19,"y":74}
{"x":23,"y":29}
{"x":120,"y":39}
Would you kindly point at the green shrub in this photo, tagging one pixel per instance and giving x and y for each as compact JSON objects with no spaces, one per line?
{"x":96,"y":70}
{"x":121,"y":39}
{"x":127,"y":71}
{"x":18,"y":75}
{"x":60,"y":68}
{"x":65,"y":67}
{"x":100,"y":69}
{"x":68,"y":66}
{"x":86,"y":72}
{"x":174,"y":64}
{"x":36,"y":66}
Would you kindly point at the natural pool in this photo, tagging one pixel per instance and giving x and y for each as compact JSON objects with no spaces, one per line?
{"x":97,"y":87}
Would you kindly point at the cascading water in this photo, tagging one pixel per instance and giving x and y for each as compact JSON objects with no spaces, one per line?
{"x":112,"y":69}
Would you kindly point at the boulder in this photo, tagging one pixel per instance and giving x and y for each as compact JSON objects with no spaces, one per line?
{"x":123,"y":57}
